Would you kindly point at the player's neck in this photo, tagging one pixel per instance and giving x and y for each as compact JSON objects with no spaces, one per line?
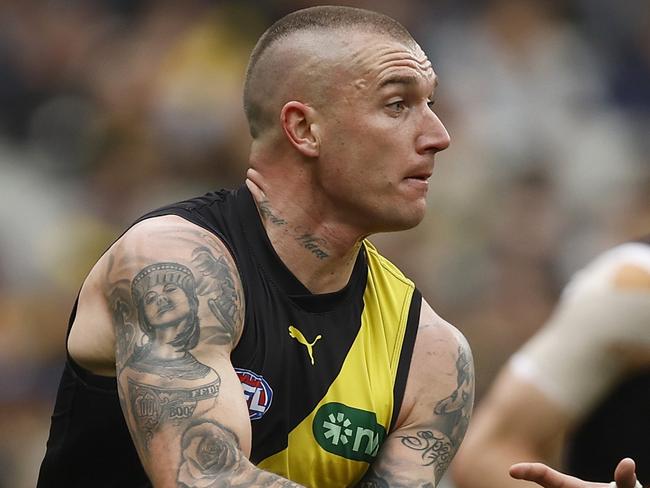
{"x":319,"y":252}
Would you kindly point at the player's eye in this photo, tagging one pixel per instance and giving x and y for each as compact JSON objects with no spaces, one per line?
{"x":397,"y":106}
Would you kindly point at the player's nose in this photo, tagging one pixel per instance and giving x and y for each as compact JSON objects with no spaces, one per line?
{"x":434,"y":136}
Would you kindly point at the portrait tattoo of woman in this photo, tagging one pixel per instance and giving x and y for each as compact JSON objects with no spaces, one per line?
{"x":165,"y":381}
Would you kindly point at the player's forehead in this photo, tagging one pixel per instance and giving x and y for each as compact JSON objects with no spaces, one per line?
{"x":378,"y":60}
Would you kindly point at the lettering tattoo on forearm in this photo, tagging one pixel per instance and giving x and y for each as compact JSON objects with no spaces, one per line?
{"x":439,"y":445}
{"x":373,"y":480}
{"x":211,"y":458}
{"x":436,"y":449}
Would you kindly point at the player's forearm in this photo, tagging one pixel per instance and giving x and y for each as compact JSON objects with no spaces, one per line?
{"x":374,"y":478}
{"x":487,"y":467}
{"x":207,"y":455}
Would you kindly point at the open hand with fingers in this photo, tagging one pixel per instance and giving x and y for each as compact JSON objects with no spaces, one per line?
{"x":624,"y":476}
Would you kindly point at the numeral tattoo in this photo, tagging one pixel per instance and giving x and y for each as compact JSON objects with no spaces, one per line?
{"x":152,"y":405}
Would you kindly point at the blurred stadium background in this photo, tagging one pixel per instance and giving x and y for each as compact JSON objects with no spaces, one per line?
{"x":109,"y":108}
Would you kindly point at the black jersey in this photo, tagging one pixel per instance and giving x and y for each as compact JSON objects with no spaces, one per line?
{"x":323,"y":375}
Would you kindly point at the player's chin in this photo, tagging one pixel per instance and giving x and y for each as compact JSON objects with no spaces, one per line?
{"x":414,"y":195}
{"x":415,"y":217}
{"x":405,"y":216}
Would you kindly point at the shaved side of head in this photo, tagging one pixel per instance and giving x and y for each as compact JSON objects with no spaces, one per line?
{"x":290,"y":54}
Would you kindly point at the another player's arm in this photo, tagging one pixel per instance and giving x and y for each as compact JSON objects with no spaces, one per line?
{"x":624,"y":476}
{"x":514,"y":422}
{"x":177,"y":306}
{"x":592,"y":332}
{"x":626,"y":278}
{"x":435,"y":413}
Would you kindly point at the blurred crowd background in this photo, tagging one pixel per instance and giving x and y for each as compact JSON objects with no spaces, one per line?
{"x":109,"y":108}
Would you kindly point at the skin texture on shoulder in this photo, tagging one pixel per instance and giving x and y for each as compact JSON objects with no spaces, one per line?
{"x":171,"y":293}
{"x":435,"y":412}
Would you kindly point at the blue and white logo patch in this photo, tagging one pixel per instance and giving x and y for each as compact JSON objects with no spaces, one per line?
{"x":257,"y":391}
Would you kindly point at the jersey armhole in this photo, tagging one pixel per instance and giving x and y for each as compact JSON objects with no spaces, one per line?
{"x":404,"y":364}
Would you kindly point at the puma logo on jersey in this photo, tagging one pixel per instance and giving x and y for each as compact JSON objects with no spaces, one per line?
{"x":297,"y":335}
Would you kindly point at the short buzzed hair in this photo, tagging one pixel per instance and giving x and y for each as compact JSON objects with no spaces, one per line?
{"x":314,"y":18}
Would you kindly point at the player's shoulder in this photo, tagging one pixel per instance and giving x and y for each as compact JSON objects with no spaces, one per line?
{"x":630,"y":265}
{"x":434,"y":332}
{"x":440,"y":348}
{"x":623,"y":267}
{"x":442,"y":361}
{"x":635,"y":253}
{"x":160,"y":241}
{"x":158,"y":226}
{"x":164,"y":234}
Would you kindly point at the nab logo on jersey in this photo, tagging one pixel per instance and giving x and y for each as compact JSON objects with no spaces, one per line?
{"x":257,"y":391}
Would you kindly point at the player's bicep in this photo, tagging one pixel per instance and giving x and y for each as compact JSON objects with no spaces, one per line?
{"x":438,"y":401}
{"x":187,"y":430}
{"x":177,"y":309}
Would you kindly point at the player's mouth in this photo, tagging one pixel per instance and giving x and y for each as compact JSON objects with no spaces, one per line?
{"x":420,"y":178}
{"x":424,"y":178}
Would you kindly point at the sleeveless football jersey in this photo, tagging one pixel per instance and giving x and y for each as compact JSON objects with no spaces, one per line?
{"x":323,"y":375}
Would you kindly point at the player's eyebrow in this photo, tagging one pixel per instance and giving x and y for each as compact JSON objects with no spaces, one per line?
{"x":408,"y":80}
{"x":398,"y":80}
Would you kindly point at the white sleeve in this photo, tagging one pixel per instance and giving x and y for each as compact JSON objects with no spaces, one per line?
{"x":577,"y":355}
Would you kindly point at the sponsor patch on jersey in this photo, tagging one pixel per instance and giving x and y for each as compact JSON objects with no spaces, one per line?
{"x":348,"y":432}
{"x":257,"y":391}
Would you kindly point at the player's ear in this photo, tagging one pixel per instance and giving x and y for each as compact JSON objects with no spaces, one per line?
{"x":297,"y":121}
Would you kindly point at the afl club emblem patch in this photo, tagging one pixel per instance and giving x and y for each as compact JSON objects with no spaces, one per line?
{"x":257,"y":391}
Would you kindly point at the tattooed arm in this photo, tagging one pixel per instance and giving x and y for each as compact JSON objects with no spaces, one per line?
{"x":435,"y":412}
{"x":176,"y":304}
